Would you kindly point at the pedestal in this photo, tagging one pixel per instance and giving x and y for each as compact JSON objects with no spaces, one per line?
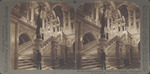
{"x":37,"y":46}
{"x":102,"y":43}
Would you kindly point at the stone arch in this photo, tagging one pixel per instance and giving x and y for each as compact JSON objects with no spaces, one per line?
{"x":56,"y":6}
{"x":23,"y":38}
{"x":59,"y":13}
{"x":88,"y":37}
{"x":124,"y":12}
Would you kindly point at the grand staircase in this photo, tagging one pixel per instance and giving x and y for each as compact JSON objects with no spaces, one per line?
{"x":93,"y":64}
{"x":89,"y":58}
{"x":27,"y":63}
{"x":90,"y":64}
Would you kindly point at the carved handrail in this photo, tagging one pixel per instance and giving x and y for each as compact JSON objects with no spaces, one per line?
{"x":114,"y":39}
{"x":46,"y":46}
{"x":24,"y":46}
{"x":64,"y":35}
{"x":111,"y":44}
{"x":111,"y":41}
{"x":46,"y":42}
{"x":111,"y":48}
{"x":58,"y":36}
{"x":88,"y":46}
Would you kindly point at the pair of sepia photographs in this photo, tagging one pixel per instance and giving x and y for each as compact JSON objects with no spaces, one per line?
{"x":93,"y":36}
{"x":75,"y":39}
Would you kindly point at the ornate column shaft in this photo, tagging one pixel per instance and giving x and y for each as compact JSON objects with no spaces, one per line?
{"x":134,"y":18}
{"x":97,"y":13}
{"x":32,"y":14}
{"x":64,"y":18}
{"x":129,"y":18}
{"x":69,"y":20}
{"x":78,"y":45}
{"x":16,"y":46}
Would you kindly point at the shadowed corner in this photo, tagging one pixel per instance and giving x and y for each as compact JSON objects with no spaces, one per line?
{"x":0,"y":0}
{"x":149,"y":72}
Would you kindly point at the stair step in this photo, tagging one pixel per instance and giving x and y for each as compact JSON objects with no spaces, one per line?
{"x":96,"y":68}
{"x":30,"y":69}
{"x":90,"y":66}
{"x":25,"y":64}
{"x":111,"y":68}
{"x":89,"y":60}
{"x":20,"y":60}
{"x":90,"y":63}
{"x":28,"y":66}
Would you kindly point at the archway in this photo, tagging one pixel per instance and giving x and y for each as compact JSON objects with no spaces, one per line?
{"x":124,"y":12}
{"x":89,"y":49}
{"x":23,"y":38}
{"x":58,"y":11}
{"x":88,"y":37}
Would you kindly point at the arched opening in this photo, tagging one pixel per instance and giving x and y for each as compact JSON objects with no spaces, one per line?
{"x":124,"y":12}
{"x":58,"y":11}
{"x":88,"y":37}
{"x":23,"y":38}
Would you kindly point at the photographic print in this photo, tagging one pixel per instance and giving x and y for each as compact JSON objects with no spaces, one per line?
{"x":100,"y":35}
{"x":109,"y":35}
{"x":42,"y":36}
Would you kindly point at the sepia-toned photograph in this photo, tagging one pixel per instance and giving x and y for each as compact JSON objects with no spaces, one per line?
{"x":42,"y":36}
{"x":109,"y":36}
{"x":102,"y":35}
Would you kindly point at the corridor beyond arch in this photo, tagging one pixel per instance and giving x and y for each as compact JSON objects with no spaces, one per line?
{"x":88,"y":37}
{"x":23,"y":38}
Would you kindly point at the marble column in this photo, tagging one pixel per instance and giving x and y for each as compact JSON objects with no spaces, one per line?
{"x":16,"y":46}
{"x":32,"y":14}
{"x":78,"y":45}
{"x":134,"y":18}
{"x":69,"y":20}
{"x":97,"y":15}
{"x":129,"y":18}
{"x":64,"y":19}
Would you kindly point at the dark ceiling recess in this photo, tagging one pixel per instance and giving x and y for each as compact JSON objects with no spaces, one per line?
{"x":88,"y":37}
{"x":124,"y":12}
{"x":87,"y":8}
{"x":23,"y":38}
{"x":72,"y":13}
{"x":59,"y":13}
